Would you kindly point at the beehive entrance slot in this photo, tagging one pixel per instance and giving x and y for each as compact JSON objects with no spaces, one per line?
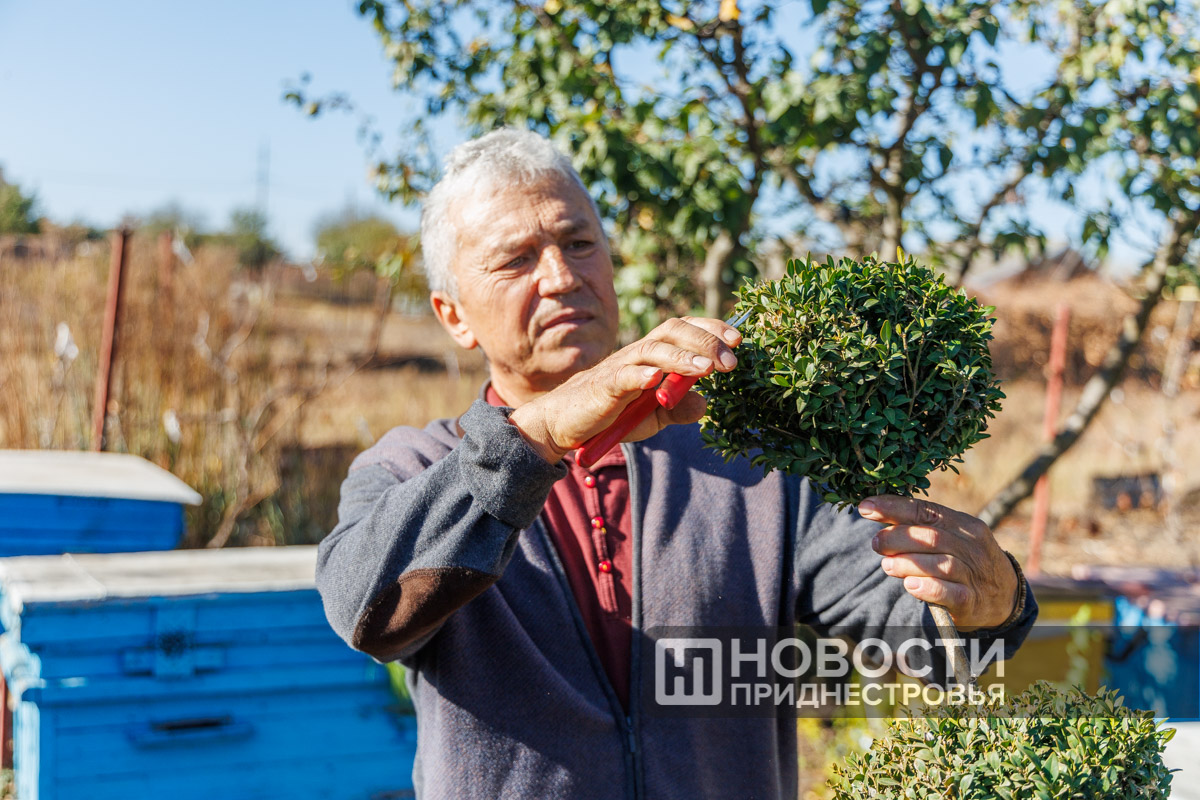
{"x":189,"y":731}
{"x":193,"y":724}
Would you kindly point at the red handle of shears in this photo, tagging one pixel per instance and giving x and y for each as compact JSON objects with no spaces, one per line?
{"x":674,"y":388}
{"x":668,"y":395}
{"x":591,"y":451}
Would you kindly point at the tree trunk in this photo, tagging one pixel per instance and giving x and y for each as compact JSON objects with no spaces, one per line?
{"x":1095,"y":392}
{"x":775,"y":257}
{"x":715,"y":260}
{"x":1177,"y":359}
{"x":895,"y":201}
{"x":893,"y":223}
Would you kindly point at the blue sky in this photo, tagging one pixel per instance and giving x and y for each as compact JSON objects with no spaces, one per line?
{"x":121,"y":107}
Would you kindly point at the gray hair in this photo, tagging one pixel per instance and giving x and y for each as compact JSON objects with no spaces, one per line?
{"x":515,"y":156}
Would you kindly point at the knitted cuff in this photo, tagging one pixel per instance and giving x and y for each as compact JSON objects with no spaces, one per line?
{"x":506,"y":475}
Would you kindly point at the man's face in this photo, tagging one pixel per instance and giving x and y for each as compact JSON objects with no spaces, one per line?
{"x":535,"y":284}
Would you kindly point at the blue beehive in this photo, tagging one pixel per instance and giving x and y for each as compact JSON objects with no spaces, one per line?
{"x":54,"y":501}
{"x":1155,"y":661}
{"x":192,"y":675}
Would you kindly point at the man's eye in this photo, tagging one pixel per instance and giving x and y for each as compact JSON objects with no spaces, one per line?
{"x":514,"y":264}
{"x":580,"y":244}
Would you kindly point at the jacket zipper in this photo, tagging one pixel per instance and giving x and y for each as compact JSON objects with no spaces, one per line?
{"x":628,"y":723}
{"x":635,"y":677}
{"x":624,"y":723}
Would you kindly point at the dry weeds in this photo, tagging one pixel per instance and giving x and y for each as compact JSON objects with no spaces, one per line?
{"x":195,"y":387}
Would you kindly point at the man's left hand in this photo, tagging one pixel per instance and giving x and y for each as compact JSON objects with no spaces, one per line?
{"x":946,"y":558}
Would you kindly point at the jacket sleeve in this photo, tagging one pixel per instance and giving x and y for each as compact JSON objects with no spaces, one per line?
{"x":418,"y":538}
{"x":841,"y":590}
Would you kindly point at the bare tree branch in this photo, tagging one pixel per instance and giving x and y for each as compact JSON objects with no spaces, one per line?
{"x":974,"y":242}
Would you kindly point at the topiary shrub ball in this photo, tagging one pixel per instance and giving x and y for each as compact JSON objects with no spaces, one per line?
{"x":1043,"y":743}
{"x":862,"y":376}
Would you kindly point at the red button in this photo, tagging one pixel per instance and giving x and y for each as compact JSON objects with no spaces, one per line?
{"x":597,"y":522}
{"x":605,"y":566}
{"x":589,"y":481}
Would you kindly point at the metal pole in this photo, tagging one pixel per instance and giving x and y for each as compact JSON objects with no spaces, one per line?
{"x":108,"y":340}
{"x":1054,"y":386}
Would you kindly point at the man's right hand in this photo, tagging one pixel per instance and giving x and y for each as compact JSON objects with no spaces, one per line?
{"x":589,"y":401}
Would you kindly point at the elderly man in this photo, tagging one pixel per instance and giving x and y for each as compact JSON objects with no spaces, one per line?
{"x":518,"y":586}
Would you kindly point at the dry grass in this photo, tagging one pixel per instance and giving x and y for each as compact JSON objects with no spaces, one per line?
{"x":318,"y":329}
{"x":431,"y":377}
{"x":372,"y":402}
{"x":217,"y":352}
{"x":1125,"y":438}
{"x":195,"y":352}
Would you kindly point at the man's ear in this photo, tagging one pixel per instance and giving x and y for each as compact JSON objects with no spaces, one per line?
{"x":454,"y":319}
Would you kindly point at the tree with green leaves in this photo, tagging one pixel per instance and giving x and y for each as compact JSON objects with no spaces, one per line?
{"x":349,"y":242}
{"x":17,"y":210}
{"x":718,"y":143}
{"x":898,"y":126}
{"x":1131,"y":101}
{"x":248,"y":233}
{"x":172,"y":217}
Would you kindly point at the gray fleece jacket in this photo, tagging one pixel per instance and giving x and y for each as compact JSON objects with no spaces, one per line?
{"x":439,"y":561}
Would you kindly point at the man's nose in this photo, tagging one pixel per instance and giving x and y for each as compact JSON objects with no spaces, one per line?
{"x":555,"y":275}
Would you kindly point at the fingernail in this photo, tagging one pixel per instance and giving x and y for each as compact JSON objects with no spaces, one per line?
{"x":887,"y":564}
{"x":702,"y":362}
{"x":731,"y":336}
{"x":866,"y":507}
{"x":728,"y":360}
{"x":913,"y":583}
{"x":875,"y":543}
{"x":649,"y":372}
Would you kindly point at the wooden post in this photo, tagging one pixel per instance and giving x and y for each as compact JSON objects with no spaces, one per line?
{"x":108,"y":340}
{"x":1054,"y":386}
{"x":165,"y":300}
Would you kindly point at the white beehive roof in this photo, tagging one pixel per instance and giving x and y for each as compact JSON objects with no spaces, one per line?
{"x":96,"y":576}
{"x":84,"y":474}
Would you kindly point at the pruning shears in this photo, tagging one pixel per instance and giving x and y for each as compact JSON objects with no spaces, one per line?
{"x":668,"y":394}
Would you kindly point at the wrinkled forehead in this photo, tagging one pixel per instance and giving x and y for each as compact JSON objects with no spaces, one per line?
{"x":496,"y":210}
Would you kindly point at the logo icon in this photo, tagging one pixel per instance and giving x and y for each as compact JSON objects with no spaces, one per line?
{"x":688,"y":659}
